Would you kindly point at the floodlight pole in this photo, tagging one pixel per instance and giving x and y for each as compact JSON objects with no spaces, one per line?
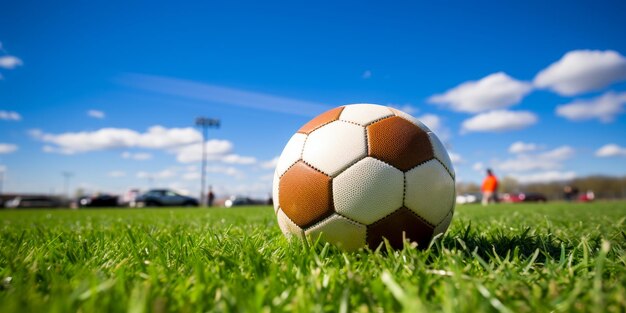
{"x":67,"y":176}
{"x":205,"y":123}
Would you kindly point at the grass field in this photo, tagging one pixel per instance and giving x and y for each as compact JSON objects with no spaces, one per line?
{"x":508,"y":258}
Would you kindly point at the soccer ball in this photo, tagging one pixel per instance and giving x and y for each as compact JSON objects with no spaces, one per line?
{"x":359,"y":173}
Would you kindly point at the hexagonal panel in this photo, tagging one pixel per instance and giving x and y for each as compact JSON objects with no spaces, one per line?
{"x":429,"y":191}
{"x":275,"y":198}
{"x":363,"y":114}
{"x":411,"y":119}
{"x":321,"y":120}
{"x":334,"y":147}
{"x":368,"y":190}
{"x":441,"y":153}
{"x":288,"y":227}
{"x":443,"y":225}
{"x":340,"y":231}
{"x":401,"y":224}
{"x":305,"y":195}
{"x":399,"y":142}
{"x":291,"y":153}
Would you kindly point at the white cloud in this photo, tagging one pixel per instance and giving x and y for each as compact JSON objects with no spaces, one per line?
{"x":604,"y":108}
{"x":10,"y":62}
{"x":139,"y":156}
{"x":166,"y":173}
{"x":549,"y":160}
{"x":271,"y":164}
{"x":216,"y":149}
{"x":226,"y":170}
{"x":367,"y":74}
{"x":10,"y":116}
{"x":116,"y":174}
{"x":522,"y":147}
{"x":580,"y":71}
{"x":157,"y":137}
{"x":611,"y":150}
{"x":499,"y":121}
{"x":238,"y":159}
{"x":544,"y":177}
{"x":96,"y":114}
{"x":191,"y":175}
{"x":215,"y":169}
{"x":496,"y":91}
{"x":6,"y":148}
{"x":478,"y":166}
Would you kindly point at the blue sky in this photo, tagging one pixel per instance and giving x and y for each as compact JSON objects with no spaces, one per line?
{"x":109,"y":90}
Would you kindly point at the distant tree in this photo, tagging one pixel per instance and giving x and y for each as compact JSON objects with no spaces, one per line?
{"x":508,"y":184}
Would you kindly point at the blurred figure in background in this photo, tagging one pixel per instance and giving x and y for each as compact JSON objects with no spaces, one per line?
{"x":211,"y":196}
{"x":489,"y":188}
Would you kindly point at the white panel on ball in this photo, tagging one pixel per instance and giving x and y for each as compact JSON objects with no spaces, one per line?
{"x":275,"y":184}
{"x":430,"y":191}
{"x":291,"y":154}
{"x":364,"y":114}
{"x":338,"y":230}
{"x":368,"y":191}
{"x":335,"y":146}
{"x":412,"y":119}
{"x":441,"y":153}
{"x":289,"y":228}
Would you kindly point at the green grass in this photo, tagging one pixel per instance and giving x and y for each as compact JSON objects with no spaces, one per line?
{"x":509,"y":258}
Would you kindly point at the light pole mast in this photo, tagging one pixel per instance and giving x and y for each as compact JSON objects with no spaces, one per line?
{"x":67,"y":176}
{"x":205,"y":123}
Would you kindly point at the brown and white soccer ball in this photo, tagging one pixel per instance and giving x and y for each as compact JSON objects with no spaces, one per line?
{"x":361,"y":172}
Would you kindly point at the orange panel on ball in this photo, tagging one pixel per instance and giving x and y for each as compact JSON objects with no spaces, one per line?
{"x":399,"y":142}
{"x":399,"y":225}
{"x":305,"y":195}
{"x":321,"y":120}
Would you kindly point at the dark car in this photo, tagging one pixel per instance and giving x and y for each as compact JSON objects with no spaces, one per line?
{"x":524,"y":197}
{"x":103,"y":200}
{"x":164,"y":197}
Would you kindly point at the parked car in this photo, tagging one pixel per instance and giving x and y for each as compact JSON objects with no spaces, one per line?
{"x":239,"y":201}
{"x":103,"y":200}
{"x":524,"y":197}
{"x":469,"y":198}
{"x":34,"y":202}
{"x":164,"y":197}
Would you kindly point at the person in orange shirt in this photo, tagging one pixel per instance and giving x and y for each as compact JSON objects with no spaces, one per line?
{"x":489,"y":188}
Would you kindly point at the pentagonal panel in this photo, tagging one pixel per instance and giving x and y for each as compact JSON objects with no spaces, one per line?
{"x":441,"y":153}
{"x":338,"y":230}
{"x":305,"y":195}
{"x":275,"y":198}
{"x":321,"y":120}
{"x":368,"y":190}
{"x":399,"y":143}
{"x":364,"y":114}
{"x":429,"y":191}
{"x":401,"y":224}
{"x":288,"y":227}
{"x":443,"y":225}
{"x":333,"y":147}
{"x":291,"y":153}
{"x":411,"y":119}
